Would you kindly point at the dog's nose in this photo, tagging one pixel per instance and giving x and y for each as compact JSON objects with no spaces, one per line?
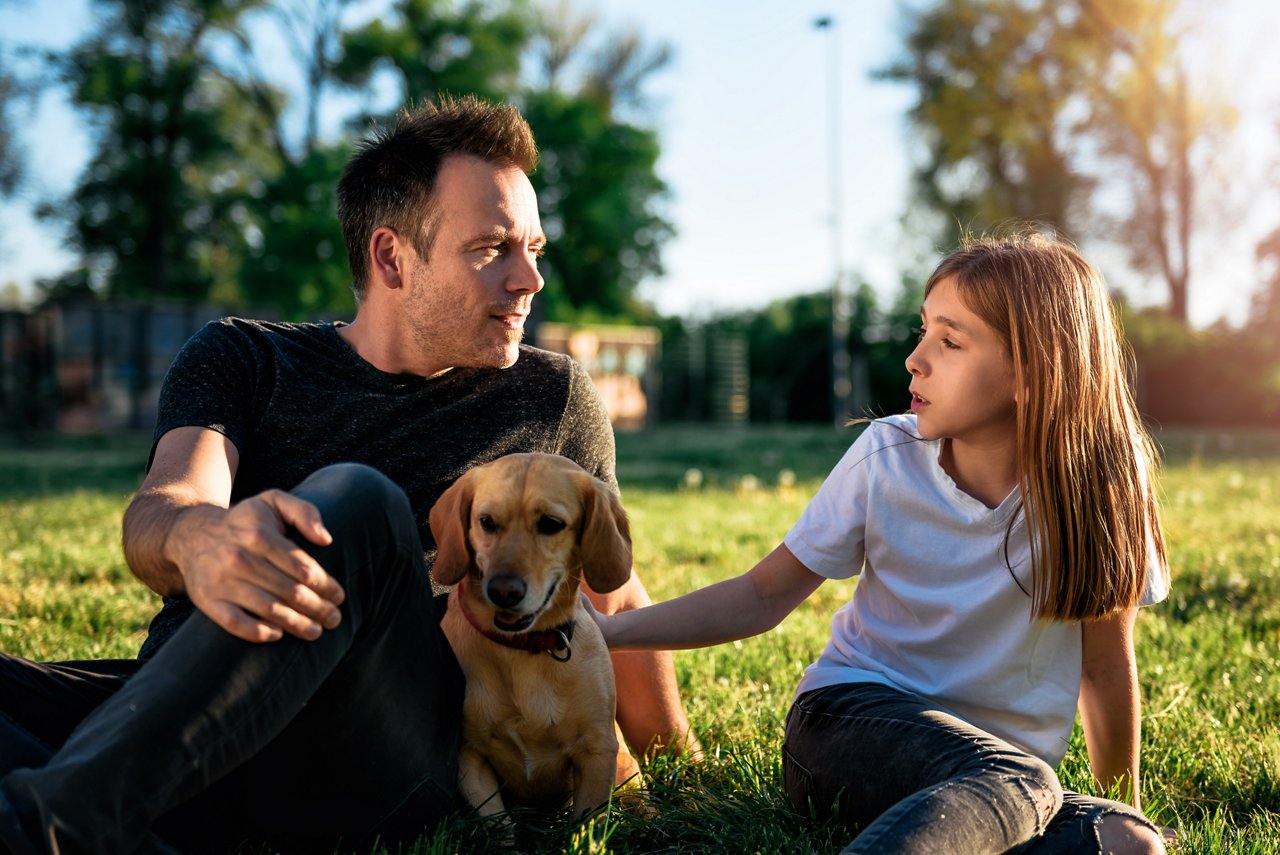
{"x":505,"y":591}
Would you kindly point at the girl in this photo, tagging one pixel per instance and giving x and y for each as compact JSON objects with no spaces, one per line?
{"x":1006,"y":531}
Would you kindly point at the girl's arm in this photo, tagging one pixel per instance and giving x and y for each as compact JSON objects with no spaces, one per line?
{"x":743,"y":606}
{"x":1109,"y":703}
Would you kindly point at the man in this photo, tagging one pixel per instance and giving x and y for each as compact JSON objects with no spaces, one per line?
{"x":296,"y":689}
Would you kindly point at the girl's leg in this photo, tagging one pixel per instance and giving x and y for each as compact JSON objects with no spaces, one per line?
{"x":1090,"y":825}
{"x":915,"y":778}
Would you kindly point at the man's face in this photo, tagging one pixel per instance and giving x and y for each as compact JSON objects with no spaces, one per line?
{"x":467,"y":302}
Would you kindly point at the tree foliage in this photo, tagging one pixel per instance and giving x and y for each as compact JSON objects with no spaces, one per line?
{"x":1026,"y":107}
{"x":10,"y":159}
{"x":997,"y":81}
{"x":296,"y":260}
{"x":155,"y":215}
{"x":440,"y":47}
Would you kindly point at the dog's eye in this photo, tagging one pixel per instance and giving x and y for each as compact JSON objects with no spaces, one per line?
{"x":549,"y":525}
{"x":487,"y":523}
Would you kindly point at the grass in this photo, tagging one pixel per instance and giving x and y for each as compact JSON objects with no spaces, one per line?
{"x":1209,"y":656}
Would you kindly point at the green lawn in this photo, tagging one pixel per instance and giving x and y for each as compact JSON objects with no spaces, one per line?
{"x":1210,"y":676}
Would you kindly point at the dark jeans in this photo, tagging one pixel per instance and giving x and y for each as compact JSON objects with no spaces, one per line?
{"x":916,"y":779}
{"x":216,"y":741}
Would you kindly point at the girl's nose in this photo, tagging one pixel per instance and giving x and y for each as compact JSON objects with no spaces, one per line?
{"x":915,"y":366}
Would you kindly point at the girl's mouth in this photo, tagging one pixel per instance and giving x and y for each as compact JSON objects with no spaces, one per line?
{"x":917,"y":403}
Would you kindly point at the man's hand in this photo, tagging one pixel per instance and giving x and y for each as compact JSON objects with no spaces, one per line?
{"x":240,"y":569}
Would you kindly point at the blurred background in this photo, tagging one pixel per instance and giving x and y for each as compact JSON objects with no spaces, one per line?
{"x":742,"y":200}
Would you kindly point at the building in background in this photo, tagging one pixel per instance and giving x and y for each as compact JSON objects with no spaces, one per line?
{"x":622,"y":361}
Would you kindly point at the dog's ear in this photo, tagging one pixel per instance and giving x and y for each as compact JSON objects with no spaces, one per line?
{"x":606,"y":537}
{"x":450,"y":518}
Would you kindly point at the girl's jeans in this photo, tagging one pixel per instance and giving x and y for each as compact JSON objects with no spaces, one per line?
{"x":916,"y":779}
{"x":310,"y":746}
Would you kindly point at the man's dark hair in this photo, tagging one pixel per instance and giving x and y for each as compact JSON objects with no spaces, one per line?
{"x":390,"y":180}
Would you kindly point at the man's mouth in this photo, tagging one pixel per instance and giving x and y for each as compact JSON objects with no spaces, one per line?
{"x":511,"y":317}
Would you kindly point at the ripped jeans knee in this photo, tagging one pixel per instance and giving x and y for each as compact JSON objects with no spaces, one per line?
{"x":912,"y":777}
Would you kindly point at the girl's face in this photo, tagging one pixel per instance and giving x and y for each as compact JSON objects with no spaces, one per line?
{"x":962,"y":382}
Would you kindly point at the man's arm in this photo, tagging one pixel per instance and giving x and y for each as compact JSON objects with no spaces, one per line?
{"x":1109,"y":703}
{"x":234,"y":563}
{"x":650,"y":713}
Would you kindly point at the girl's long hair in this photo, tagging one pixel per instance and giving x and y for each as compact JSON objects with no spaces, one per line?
{"x":1086,"y":463}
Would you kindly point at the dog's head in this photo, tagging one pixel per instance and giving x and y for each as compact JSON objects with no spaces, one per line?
{"x":522,"y":530}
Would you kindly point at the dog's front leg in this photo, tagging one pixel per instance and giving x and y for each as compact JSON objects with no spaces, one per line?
{"x":479,"y":787}
{"x":594,"y":772}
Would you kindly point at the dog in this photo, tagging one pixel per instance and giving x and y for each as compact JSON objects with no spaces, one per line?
{"x":515,"y":537}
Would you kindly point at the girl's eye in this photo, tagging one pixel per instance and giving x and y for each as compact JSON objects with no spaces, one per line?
{"x":949,"y":344}
{"x":487,"y":523}
{"x":549,"y":525}
{"x":919,"y":333}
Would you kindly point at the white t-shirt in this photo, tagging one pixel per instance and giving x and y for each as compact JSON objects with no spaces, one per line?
{"x":936,"y":611}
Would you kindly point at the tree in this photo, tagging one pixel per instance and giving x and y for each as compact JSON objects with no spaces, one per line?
{"x":1265,"y":316}
{"x":10,"y":159}
{"x":1148,"y":118}
{"x":996,"y":82}
{"x":295,"y":260}
{"x":1026,"y":106}
{"x":10,"y":156}
{"x":153,"y":217}
{"x":598,"y":189}
{"x":440,"y":47}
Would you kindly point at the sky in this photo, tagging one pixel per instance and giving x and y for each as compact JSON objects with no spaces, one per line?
{"x":745,"y":114}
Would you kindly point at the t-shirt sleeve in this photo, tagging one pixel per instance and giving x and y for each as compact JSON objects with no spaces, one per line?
{"x":828,"y":537}
{"x":210,"y":384}
{"x":586,"y":435}
{"x":1157,"y":576}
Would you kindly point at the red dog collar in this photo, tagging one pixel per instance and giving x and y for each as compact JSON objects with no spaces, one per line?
{"x":554,"y":641}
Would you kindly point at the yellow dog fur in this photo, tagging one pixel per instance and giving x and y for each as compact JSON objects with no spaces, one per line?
{"x":542,"y":729}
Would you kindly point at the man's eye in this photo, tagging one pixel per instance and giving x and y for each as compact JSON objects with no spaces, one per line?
{"x":549,"y":525}
{"x":487,"y":523}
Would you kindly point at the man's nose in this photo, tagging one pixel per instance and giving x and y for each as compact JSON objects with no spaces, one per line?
{"x":526,"y":278}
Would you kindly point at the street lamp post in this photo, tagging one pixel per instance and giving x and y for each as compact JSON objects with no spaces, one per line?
{"x":841,"y":383}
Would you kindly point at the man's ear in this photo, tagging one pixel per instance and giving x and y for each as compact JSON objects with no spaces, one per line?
{"x":386,"y":257}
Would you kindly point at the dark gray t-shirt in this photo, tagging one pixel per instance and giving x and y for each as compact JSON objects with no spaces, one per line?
{"x":293,"y":398}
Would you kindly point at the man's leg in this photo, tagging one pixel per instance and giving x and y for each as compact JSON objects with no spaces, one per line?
{"x":41,"y":703}
{"x":344,"y":734}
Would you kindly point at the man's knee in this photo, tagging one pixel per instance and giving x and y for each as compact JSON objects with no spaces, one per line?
{"x":355,"y":495}
{"x":1119,"y":834}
